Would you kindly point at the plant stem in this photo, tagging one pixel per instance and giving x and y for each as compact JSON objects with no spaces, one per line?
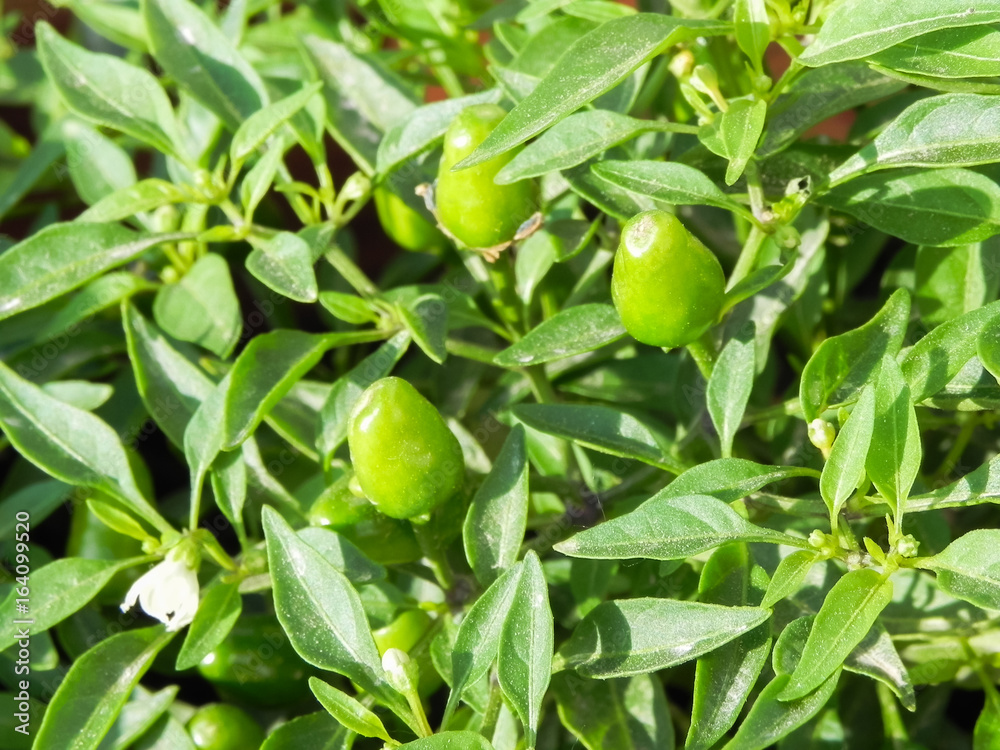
{"x":540,"y":385}
{"x":748,"y":256}
{"x":352,"y":274}
{"x":892,"y":722}
{"x":434,"y":553}
{"x":470,"y":351}
{"x":492,"y":712}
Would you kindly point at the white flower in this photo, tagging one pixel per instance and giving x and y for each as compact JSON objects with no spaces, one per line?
{"x":168,"y":592}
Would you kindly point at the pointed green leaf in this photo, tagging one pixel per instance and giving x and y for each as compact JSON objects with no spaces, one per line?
{"x":194,"y":52}
{"x":666,"y":527}
{"x":848,"y":613}
{"x":348,"y":711}
{"x":753,"y":29}
{"x":261,"y":125}
{"x":284,"y":263}
{"x":735,"y":133}
{"x":730,"y":479}
{"x":788,"y":576}
{"x":857,"y":28}
{"x":845,"y":469}
{"x":969,"y":568}
{"x":218,"y":611}
{"x":592,"y":65}
{"x":524,"y":660}
{"x":109,"y":91}
{"x":497,"y":517}
{"x":842,"y":364}
{"x":729,"y":387}
{"x":62,"y":257}
{"x":58,"y":590}
{"x":876,"y":657}
{"x":321,"y":612}
{"x":895,"y":453}
{"x":96,"y":688}
{"x":69,"y":444}
{"x":426,"y":318}
{"x":574,"y":330}
{"x":202,"y":307}
{"x":636,"y":636}
{"x":666,"y":181}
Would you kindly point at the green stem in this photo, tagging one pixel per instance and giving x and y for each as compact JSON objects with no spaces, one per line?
{"x":748,"y":256}
{"x":504,"y":299}
{"x":675,"y":127}
{"x":352,"y":274}
{"x":540,"y":385}
{"x":326,"y":189}
{"x":892,"y":722}
{"x":492,"y":712}
{"x":470,"y":351}
{"x":434,"y":552}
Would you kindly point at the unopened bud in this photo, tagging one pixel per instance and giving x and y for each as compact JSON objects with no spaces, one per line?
{"x":821,"y":434}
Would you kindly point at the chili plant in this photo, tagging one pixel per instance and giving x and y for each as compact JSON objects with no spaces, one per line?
{"x":519,"y":375}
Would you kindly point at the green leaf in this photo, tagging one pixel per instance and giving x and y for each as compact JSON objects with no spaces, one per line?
{"x":79,"y":393}
{"x":939,"y":356}
{"x":118,"y":520}
{"x":988,"y":347}
{"x":602,"y":428}
{"x":497,"y":517}
{"x":942,"y":207}
{"x":261,"y":125}
{"x":202,"y":307}
{"x":267,"y":368}
{"x":665,"y":181}
{"x":69,"y":444}
{"x":969,"y":568}
{"x":754,"y":282}
{"x":62,"y":257}
{"x":636,"y":636}
{"x":423,"y":127}
{"x":137,"y":716}
{"x":753,"y":29}
{"x":770,"y":719}
{"x":260,"y":177}
{"x":426,"y":318}
{"x":172,"y":388}
{"x":218,"y":611}
{"x":729,"y":387}
{"x":818,"y":94}
{"x":788,"y":576}
{"x":844,"y":470}
{"x":316,"y":731}
{"x":666,"y":527}
{"x":592,"y":65}
{"x":848,"y":613}
{"x":109,"y":91}
{"x":58,"y":590}
{"x":876,"y":657}
{"x":575,"y":330}
{"x":342,"y":555}
{"x":730,"y":479}
{"x":448,"y":741}
{"x":724,"y":677}
{"x":195,"y":53}
{"x":363,"y":99}
{"x":96,"y":688}
{"x":895,"y":453}
{"x":348,"y":711}
{"x":41,"y":498}
{"x":966,"y":52}
{"x":347,"y":389}
{"x":626,"y":714}
{"x":145,"y":195}
{"x":103,"y":292}
{"x":977,"y":487}
{"x":524,"y":660}
{"x":478,"y":640}
{"x":321,"y":612}
{"x":97,"y":165}
{"x":735,"y":133}
{"x":951,"y":282}
{"x":284,"y":263}
{"x":857,"y":28}
{"x":986,"y":733}
{"x":951,"y":130}
{"x":572,"y":141}
{"x":842,"y":364}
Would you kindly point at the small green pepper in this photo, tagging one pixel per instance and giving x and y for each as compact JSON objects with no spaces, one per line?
{"x":256,"y":665}
{"x":667,"y":286}
{"x":385,"y":540}
{"x":219,"y":726}
{"x":406,"y":460}
{"x":404,"y":226}
{"x":470,"y":204}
